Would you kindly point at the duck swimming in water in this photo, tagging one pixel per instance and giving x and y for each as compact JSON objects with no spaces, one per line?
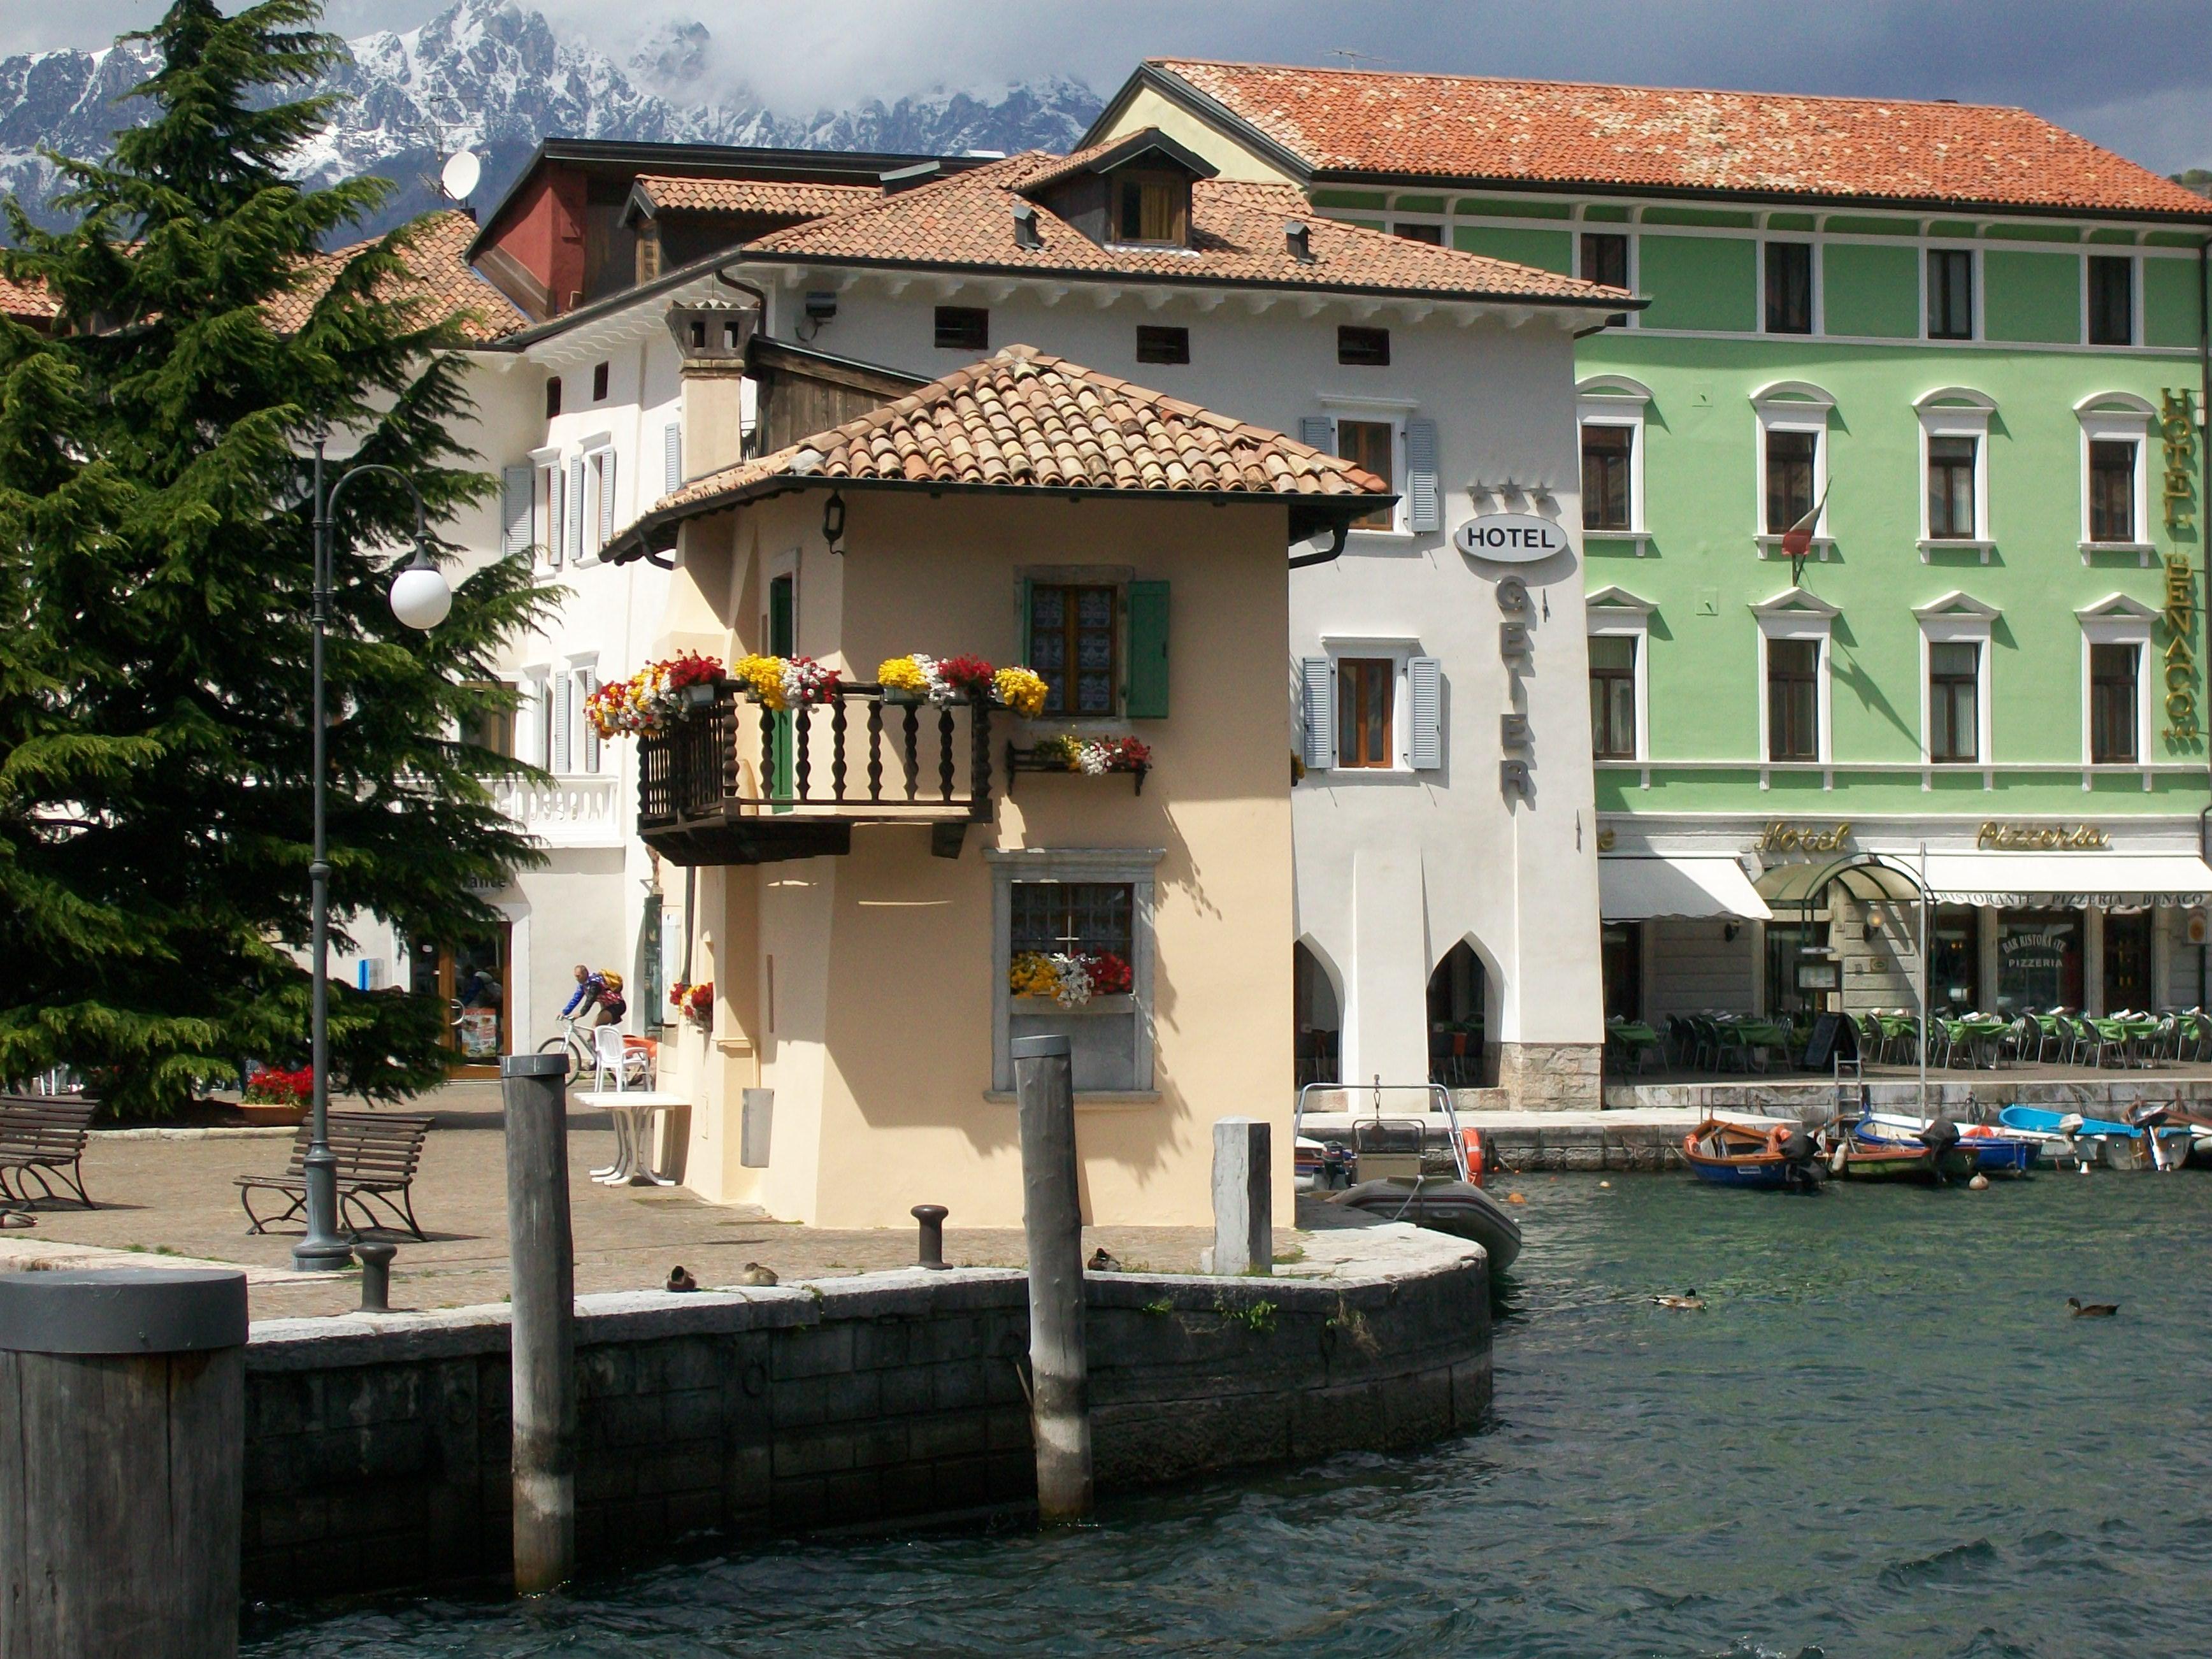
{"x":1688,"y":1302}
{"x":2081,"y":1309}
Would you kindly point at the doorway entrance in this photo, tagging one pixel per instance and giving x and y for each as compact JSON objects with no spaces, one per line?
{"x":470,"y":979}
{"x":1459,"y":995}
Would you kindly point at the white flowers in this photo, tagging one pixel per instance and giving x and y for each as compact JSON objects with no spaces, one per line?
{"x":1093,"y":759}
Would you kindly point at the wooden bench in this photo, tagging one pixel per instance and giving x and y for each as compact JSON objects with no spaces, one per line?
{"x":42,"y":1136}
{"x":377,"y":1154}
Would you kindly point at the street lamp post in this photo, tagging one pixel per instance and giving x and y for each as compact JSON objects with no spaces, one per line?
{"x":420,"y":599}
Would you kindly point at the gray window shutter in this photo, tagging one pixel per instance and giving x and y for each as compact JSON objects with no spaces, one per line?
{"x":1425,"y":691}
{"x":1318,"y":432}
{"x":1317,"y":690}
{"x":514,"y":483}
{"x":606,"y":497}
{"x":1424,"y":498}
{"x":555,"y":527}
{"x":558,"y":699}
{"x":576,"y":508}
{"x":672,"y":438}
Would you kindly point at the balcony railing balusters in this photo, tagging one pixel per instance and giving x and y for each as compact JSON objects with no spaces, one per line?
{"x":945,"y":752}
{"x":802,"y":723}
{"x":913,"y":736}
{"x":875,"y":749}
{"x":837,"y":750}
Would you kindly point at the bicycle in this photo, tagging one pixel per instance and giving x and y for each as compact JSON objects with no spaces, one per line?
{"x":583,"y":1052}
{"x":576,"y":1039}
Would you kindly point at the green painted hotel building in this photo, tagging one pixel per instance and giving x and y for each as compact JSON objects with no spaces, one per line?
{"x":1975,"y":343}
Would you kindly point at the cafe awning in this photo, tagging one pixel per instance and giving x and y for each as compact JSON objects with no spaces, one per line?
{"x":2069,"y":880}
{"x":1864,"y":876}
{"x":1692,"y":886}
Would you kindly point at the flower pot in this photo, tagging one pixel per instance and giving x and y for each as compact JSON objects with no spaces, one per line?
{"x":271,"y":1114}
{"x":899,"y":698}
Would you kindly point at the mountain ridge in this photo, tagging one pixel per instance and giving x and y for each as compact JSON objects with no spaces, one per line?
{"x":494,"y":77}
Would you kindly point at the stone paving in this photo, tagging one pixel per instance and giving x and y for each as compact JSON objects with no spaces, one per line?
{"x":170,"y":1197}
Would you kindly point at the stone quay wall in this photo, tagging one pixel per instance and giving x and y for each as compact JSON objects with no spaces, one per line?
{"x":377,"y":1449}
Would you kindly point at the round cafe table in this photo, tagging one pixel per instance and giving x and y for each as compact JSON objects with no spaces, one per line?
{"x":632,"y":1111}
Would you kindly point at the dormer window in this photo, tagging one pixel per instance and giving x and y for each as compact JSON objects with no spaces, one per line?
{"x":1152,"y":207}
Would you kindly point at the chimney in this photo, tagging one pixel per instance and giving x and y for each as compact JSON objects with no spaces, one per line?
{"x":711,"y":336}
{"x":902,"y":179}
{"x":1297,"y":236}
{"x":1025,"y":226}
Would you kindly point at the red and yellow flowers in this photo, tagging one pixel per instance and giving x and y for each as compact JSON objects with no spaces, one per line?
{"x":650,"y":701}
{"x":1070,"y":978}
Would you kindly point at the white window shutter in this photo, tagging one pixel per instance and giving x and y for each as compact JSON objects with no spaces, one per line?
{"x":1425,"y":691}
{"x":561,"y":725}
{"x":555,"y":527}
{"x":672,"y":476}
{"x":514,"y":486}
{"x":1423,"y":498}
{"x":1318,"y":432}
{"x":576,"y":508}
{"x":585,"y":685}
{"x":606,"y":497}
{"x":1317,"y":690}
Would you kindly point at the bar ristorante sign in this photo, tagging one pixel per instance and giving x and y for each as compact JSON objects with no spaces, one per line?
{"x":2041,"y":838}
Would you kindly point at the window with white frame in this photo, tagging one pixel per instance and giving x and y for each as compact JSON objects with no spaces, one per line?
{"x":2115,"y":475}
{"x":584,"y":750}
{"x":1608,"y":256}
{"x":1952,"y":310}
{"x":1620,"y":627}
{"x":596,"y":525}
{"x":1382,"y":436}
{"x":1792,"y":450}
{"x":1788,"y":284}
{"x":547,"y":501}
{"x":1954,"y":464}
{"x":1611,"y":409}
{"x":1060,"y":911}
{"x":2116,"y":665}
{"x":1794,"y":705}
{"x":534,"y":724}
{"x":1372,"y":706}
{"x":1954,"y":680}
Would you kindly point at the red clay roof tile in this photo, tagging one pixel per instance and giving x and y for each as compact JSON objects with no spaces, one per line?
{"x":1472,"y":129}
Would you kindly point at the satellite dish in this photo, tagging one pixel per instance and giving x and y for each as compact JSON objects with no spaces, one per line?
{"x":461,"y":176}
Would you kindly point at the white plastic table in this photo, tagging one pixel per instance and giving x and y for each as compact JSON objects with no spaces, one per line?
{"x":632,"y":1110}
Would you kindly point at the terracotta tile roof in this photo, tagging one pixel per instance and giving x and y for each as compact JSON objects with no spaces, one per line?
{"x":1472,"y":129}
{"x":26,"y":302}
{"x":1023,"y":417}
{"x":966,"y":221}
{"x":442,"y":277}
{"x":788,"y":199}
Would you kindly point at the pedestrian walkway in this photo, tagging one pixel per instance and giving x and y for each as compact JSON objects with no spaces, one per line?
{"x":172,"y":1197}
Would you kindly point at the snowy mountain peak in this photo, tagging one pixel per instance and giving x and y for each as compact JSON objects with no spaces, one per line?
{"x":494,"y":77}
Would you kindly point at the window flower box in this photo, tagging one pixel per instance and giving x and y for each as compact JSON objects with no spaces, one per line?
{"x":1085,"y":757}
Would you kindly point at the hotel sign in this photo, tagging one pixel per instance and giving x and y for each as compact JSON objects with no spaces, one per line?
{"x":2177,"y":428}
{"x":2179,"y":617}
{"x":1509,"y":537}
{"x":1781,"y":837}
{"x":2041,"y":838}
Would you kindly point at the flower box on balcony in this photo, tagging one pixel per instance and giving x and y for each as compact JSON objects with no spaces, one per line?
{"x":1069,"y":757}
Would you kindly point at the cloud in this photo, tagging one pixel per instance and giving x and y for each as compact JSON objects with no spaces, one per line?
{"x":2131,"y":74}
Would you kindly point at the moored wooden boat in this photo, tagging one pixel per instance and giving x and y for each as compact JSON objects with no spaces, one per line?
{"x":1737,"y":1155}
{"x":1995,"y":1153}
{"x":1856,"y":1159}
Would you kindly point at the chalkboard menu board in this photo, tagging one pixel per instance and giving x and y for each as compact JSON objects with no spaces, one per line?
{"x":1834,"y":1036}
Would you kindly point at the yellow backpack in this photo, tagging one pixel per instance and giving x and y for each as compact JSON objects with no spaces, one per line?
{"x":614,"y":981}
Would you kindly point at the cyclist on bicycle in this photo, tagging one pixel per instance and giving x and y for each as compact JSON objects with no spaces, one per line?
{"x":598,"y":999}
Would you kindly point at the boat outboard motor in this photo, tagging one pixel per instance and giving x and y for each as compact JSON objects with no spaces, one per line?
{"x":1800,"y":1157}
{"x":1940,"y":1137}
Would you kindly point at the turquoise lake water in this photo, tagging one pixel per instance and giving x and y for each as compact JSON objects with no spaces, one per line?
{"x":1884,"y":1436}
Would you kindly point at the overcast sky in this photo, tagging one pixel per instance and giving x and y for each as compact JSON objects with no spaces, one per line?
{"x":2135,"y":75}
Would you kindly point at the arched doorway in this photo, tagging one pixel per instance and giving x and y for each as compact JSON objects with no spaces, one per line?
{"x":1319,"y":1018}
{"x":1458,"y":1010}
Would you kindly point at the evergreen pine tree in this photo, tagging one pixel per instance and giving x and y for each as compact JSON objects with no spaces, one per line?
{"x":155,"y":574}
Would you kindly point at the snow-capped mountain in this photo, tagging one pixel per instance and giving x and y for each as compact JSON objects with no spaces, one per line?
{"x":491,"y":77}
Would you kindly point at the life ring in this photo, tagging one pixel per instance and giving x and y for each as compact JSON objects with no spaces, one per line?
{"x":1471,"y":1143}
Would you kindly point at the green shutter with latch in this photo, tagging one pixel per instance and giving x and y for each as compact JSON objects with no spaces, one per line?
{"x":1146,"y":698}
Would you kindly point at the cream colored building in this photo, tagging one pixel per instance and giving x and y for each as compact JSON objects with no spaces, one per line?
{"x":862,"y":900}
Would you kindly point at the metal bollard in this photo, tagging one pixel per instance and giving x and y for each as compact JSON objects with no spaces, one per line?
{"x":931,"y":1217}
{"x":375,"y":1275}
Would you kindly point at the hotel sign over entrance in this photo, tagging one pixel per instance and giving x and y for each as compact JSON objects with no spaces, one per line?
{"x":1509,"y":537}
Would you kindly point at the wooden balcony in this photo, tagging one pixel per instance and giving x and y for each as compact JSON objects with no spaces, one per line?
{"x":739,"y":783}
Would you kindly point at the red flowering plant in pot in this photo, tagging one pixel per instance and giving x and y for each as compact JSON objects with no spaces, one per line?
{"x":273,"y":1096}
{"x":695,"y":1002}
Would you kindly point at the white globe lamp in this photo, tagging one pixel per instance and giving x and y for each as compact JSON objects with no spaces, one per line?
{"x":420,"y":596}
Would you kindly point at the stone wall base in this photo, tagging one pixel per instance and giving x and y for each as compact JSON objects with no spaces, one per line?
{"x":1551,"y":1077}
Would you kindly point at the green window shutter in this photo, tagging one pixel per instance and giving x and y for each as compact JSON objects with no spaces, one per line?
{"x":1147,"y":698}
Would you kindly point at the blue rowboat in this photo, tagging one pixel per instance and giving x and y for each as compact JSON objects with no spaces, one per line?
{"x":1993,"y":1154}
{"x":2122,"y":1144}
{"x":1736,"y":1155}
